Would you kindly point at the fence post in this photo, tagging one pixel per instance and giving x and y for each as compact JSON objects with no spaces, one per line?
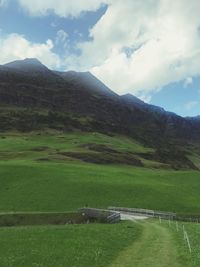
{"x":183,"y":232}
{"x":188,"y":242}
{"x":177,"y":228}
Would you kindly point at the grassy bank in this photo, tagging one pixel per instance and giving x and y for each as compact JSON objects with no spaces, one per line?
{"x":24,"y":219}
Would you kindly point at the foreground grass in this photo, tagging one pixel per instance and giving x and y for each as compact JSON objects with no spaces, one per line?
{"x":154,"y":248}
{"x":185,"y":257}
{"x":28,"y":183}
{"x":125,"y":244}
{"x":73,"y":245}
{"x":160,"y":245}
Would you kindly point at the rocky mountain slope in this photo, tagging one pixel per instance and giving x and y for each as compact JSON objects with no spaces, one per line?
{"x":32,"y":97}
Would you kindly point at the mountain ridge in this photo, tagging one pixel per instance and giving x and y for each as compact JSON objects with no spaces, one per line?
{"x":30,"y":64}
{"x":36,"y":100}
{"x":80,"y":87}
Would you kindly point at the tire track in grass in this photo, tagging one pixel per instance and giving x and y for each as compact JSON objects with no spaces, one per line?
{"x":155,"y":248}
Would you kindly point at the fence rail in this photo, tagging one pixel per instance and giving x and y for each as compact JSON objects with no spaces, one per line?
{"x":112,"y":214}
{"x":146,"y":212}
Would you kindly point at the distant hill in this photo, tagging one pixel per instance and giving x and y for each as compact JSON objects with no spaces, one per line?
{"x":32,"y":97}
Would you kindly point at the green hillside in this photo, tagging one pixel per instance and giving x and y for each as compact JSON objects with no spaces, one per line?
{"x":42,"y":173}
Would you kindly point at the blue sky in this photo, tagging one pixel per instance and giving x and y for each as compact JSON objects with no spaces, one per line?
{"x":179,"y":98}
{"x":148,"y":48}
{"x":38,"y":29}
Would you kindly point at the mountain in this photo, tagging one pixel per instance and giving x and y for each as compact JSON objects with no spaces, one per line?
{"x":32,"y":97}
{"x":193,"y":119}
{"x":30,"y":70}
{"x":133,"y":100}
{"x":173,"y":126}
{"x":27,"y":65}
{"x":74,"y":96}
{"x":87,"y":81}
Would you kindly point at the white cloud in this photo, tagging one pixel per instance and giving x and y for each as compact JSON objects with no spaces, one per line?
{"x":162,"y":39}
{"x":15,"y":46}
{"x":53,"y":24}
{"x":62,"y":8}
{"x":137,"y":46}
{"x":61,"y":38}
{"x":188,"y":81}
{"x":190,"y":105}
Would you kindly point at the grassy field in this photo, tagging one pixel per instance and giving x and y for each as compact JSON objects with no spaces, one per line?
{"x":38,"y":175}
{"x":32,"y":186}
{"x":34,"y":178}
{"x":73,"y":245}
{"x":193,"y":231}
{"x":126,"y":244}
{"x":183,"y":255}
{"x":160,"y":245}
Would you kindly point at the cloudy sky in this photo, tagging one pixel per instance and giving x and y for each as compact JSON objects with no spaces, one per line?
{"x":150,"y":48}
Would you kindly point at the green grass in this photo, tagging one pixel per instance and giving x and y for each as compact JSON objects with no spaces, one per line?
{"x":56,"y":147}
{"x":46,"y":186}
{"x":126,"y":244}
{"x":160,"y":245}
{"x":65,"y":184}
{"x":59,"y":184}
{"x":183,"y":254}
{"x":193,"y":231}
{"x":16,"y":142}
{"x":155,"y":247}
{"x":73,"y":245}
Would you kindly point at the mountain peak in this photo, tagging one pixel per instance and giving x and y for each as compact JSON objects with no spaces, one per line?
{"x":34,"y":61}
{"x":26,"y":65}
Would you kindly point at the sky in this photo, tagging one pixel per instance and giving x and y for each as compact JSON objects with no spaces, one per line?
{"x":149,"y":48}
